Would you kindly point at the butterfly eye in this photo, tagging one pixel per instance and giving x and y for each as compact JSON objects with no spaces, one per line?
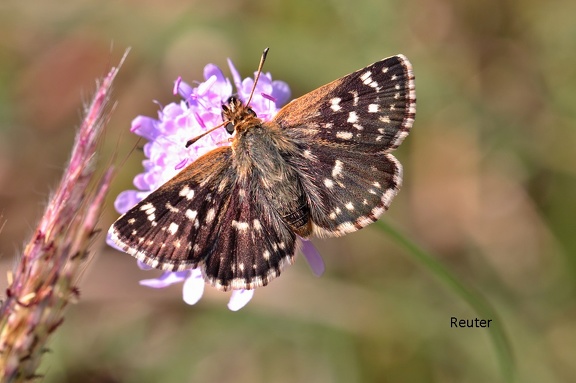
{"x":231,"y":102}
{"x":230,"y":128}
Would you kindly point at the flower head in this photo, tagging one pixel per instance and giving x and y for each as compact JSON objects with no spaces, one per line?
{"x":199,"y":110}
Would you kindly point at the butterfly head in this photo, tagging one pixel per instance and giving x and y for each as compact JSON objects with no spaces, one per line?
{"x":237,"y":116}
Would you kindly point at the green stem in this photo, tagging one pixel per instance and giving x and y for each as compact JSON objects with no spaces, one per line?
{"x":470,"y":295}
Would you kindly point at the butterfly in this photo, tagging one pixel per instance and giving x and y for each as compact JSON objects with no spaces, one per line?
{"x":322,"y":166}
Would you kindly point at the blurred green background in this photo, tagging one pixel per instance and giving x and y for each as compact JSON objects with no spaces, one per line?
{"x":490,"y":187}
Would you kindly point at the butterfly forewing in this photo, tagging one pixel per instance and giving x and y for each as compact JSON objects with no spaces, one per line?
{"x":174,"y":227}
{"x":370,"y":110}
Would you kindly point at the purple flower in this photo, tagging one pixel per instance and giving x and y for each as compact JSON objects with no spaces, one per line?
{"x":199,"y":110}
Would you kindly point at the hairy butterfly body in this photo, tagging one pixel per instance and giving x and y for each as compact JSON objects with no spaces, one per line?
{"x":322,"y":166}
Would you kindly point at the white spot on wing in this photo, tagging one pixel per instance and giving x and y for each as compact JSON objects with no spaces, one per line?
{"x":335,"y":104}
{"x":373,"y":108}
{"x":173,"y":228}
{"x":344,"y":135}
{"x":186,"y":192}
{"x":337,"y":169}
{"x":210,"y":215}
{"x":172,"y":208}
{"x":352,"y":117}
{"x":191,"y":214}
{"x":328,"y":183}
{"x":147,"y":206}
{"x":384,"y":119}
{"x":350,"y":206}
{"x":354,"y":93}
{"x":149,"y":210}
{"x":240,"y":226}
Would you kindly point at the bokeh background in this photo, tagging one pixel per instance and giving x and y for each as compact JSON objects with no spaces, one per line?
{"x":490,"y":187}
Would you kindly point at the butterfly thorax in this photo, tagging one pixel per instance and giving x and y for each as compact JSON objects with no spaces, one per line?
{"x":260,"y":151}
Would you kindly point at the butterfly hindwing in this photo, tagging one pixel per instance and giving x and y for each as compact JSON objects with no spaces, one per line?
{"x":253,"y":243}
{"x":348,"y":190}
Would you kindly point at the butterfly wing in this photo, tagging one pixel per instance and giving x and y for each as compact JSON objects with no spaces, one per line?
{"x":346,"y":131}
{"x":173,"y":228}
{"x":370,"y":110}
{"x":205,"y":217}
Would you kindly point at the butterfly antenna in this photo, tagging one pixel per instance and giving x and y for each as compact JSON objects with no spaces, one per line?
{"x":260,"y":66}
{"x":193,"y":140}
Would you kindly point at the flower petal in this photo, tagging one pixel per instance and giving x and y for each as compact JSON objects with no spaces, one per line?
{"x":185,"y":90}
{"x":313,"y":257}
{"x":235,"y":75}
{"x":126,"y":200}
{"x":166,"y":279}
{"x":146,"y":127}
{"x":239,"y":299}
{"x":193,"y":287}
{"x":143,"y":266}
{"x":281,"y":92}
